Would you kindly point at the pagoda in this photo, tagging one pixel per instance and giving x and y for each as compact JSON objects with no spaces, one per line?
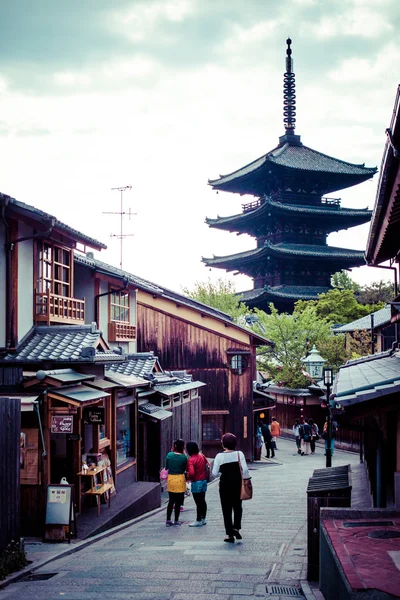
{"x":291,"y":216}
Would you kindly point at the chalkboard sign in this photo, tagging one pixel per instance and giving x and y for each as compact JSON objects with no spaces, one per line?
{"x":60,"y":513}
{"x":59,"y":505}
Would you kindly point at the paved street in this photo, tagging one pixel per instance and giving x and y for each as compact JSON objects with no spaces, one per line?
{"x":149,"y":561}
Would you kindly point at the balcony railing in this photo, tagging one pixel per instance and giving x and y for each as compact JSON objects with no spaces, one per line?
{"x":50,"y":308}
{"x":121,"y":332}
{"x":252,"y":205}
{"x":330,"y":201}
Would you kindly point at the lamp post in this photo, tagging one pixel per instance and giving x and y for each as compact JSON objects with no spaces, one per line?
{"x":313,"y":363}
{"x":328,"y":380}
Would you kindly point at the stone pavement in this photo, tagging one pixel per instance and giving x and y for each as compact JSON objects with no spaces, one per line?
{"x":146,"y":560}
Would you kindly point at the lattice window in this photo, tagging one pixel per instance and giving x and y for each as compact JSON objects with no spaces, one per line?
{"x":119,"y":306}
{"x":55,"y":271}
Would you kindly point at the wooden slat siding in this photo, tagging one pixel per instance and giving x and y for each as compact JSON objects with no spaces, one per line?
{"x":10,"y":376}
{"x":10,"y":429}
{"x":183,"y":345}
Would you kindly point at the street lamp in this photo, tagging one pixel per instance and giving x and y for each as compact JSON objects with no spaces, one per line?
{"x":313,"y":363}
{"x":328,"y":381}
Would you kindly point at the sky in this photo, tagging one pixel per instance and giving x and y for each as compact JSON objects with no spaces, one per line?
{"x":162,"y":95}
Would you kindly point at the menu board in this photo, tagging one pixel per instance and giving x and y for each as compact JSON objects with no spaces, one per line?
{"x":59,"y":505}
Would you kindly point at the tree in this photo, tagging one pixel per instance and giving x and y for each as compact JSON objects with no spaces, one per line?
{"x":338,"y":306}
{"x":293,"y":336}
{"x":375,"y":292}
{"x":220,"y":295}
{"x":343,"y":281}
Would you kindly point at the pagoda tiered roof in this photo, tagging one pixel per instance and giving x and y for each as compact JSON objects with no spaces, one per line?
{"x":289,"y":183}
{"x":283,"y":167}
{"x":288,"y":252}
{"x":281,"y":293}
{"x":332,"y":216}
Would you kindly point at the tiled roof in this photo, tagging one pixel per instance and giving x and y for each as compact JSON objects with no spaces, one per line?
{"x":177,"y":388}
{"x":140,"y":364}
{"x":62,"y":343}
{"x":381,"y":317}
{"x":303,"y":250}
{"x":293,"y":292}
{"x":368,"y":378}
{"x":39,"y":215}
{"x":148,"y":286}
{"x":164,"y":292}
{"x":301,"y":158}
{"x":330,"y":211}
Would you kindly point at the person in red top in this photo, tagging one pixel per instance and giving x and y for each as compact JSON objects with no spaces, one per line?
{"x":196,"y":474}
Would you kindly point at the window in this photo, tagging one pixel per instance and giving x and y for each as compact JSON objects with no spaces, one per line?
{"x":119,"y":306}
{"x":55,"y":270}
{"x":213,"y":427}
{"x":238,"y":364}
{"x":125,"y":433}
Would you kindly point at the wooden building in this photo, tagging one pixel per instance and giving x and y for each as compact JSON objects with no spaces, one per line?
{"x":368,"y":389}
{"x":290,"y":217}
{"x":186,"y":334}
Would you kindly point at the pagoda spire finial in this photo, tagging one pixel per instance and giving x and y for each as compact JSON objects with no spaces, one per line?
{"x":289,"y":92}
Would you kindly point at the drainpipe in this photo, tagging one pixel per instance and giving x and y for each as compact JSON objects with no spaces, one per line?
{"x":11,"y":336}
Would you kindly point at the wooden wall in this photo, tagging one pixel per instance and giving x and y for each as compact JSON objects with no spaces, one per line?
{"x":10,"y":429}
{"x":180,"y":344}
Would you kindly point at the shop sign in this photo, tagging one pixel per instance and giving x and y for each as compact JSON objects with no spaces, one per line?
{"x":94,"y":415}
{"x":62,"y":424}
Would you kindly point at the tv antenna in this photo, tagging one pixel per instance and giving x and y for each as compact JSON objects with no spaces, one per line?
{"x":121,"y":213}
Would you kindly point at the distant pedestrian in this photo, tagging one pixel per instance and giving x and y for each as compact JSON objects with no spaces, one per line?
{"x":267,"y":435}
{"x":333,"y":435}
{"x":305,"y":434}
{"x":226,"y":464}
{"x":314,"y":434}
{"x":176,"y":463}
{"x":196,"y":473}
{"x":258,"y":441}
{"x":275,"y":431}
{"x":296,"y":431}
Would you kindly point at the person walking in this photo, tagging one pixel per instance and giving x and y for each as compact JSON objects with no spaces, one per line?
{"x":275,"y":432}
{"x":226,"y":464}
{"x":296,"y":431}
{"x":305,"y":434}
{"x":196,"y":474}
{"x":267,"y":435}
{"x":176,"y":464}
{"x":314,"y":434}
{"x":258,"y":441}
{"x":333,"y":435}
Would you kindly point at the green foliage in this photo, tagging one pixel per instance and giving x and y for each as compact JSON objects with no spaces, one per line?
{"x":343,"y":281}
{"x":293,"y":336}
{"x":335,"y":351}
{"x":338,"y":306}
{"x":378,"y":291}
{"x":12,"y":559}
{"x":220,"y":295}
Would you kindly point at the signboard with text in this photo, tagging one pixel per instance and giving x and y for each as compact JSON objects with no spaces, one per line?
{"x":62,"y":424}
{"x":94,"y":415}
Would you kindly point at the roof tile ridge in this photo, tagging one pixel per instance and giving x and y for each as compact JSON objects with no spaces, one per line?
{"x":212,"y":181}
{"x":344,"y":162}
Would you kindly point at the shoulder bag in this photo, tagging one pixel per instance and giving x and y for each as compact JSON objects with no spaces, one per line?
{"x":246,"y":492}
{"x":207,"y":469}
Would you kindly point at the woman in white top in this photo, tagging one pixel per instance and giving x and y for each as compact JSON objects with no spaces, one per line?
{"x":226,"y":464}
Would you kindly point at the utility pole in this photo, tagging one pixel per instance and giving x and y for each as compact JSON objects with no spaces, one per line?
{"x":121,"y":213}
